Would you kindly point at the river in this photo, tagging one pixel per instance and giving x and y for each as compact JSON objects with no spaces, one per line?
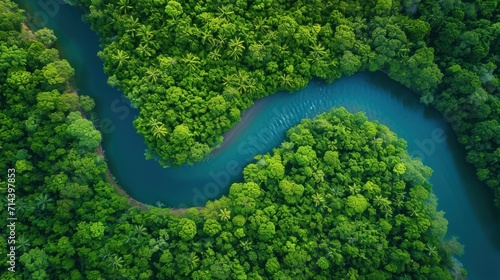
{"x":467,"y":202}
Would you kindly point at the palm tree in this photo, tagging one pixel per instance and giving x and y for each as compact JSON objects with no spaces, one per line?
{"x":159,"y":131}
{"x":402,"y":52}
{"x":21,"y":206}
{"x":257,"y":50}
{"x":153,"y":122}
{"x":432,"y":251}
{"x":225,"y":214}
{"x":214,"y":55}
{"x":104,"y":254}
{"x":188,"y":33}
{"x":286,"y":81}
{"x":130,"y":238}
{"x":131,"y":25}
{"x":191,"y":61}
{"x":317,"y":53}
{"x":153,"y":74}
{"x":242,"y":82}
{"x":318,"y":176}
{"x":120,"y":56}
{"x":221,"y":40}
{"x":23,"y":244}
{"x":144,"y":50}
{"x":387,"y":212}
{"x":334,"y":254}
{"x":250,"y":85}
{"x":229,"y":80}
{"x":354,"y":189}
{"x":376,"y":143}
{"x":224,"y":11}
{"x":494,"y":58}
{"x":398,"y":202}
{"x":124,"y":6}
{"x":283,"y":50}
{"x":116,"y":262}
{"x":401,"y":195}
{"x":246,"y":245}
{"x":336,"y":191}
{"x":383,"y":203}
{"x":98,"y":160}
{"x":194,"y":260}
{"x":434,"y":19}
{"x":42,"y":200}
{"x":413,"y":211}
{"x":236,"y":48}
{"x":208,"y":243}
{"x":206,"y":17}
{"x":270,"y":36}
{"x":241,"y":77}
{"x":206,"y":35}
{"x":230,"y":93}
{"x":145,"y":33}
{"x":318,"y":199}
{"x":140,"y":230}
{"x":370,"y":57}
{"x":352,"y":239}
{"x":260,"y":24}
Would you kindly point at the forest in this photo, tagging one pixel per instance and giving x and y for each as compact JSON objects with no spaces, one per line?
{"x":340,"y":197}
{"x":192,"y":67}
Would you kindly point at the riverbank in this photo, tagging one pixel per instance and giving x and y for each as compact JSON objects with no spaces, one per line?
{"x":133,"y":202}
{"x":247,"y":115}
{"x":110,"y":178}
{"x":118,"y":189}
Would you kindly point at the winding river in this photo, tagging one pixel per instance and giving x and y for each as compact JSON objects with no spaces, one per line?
{"x":467,"y":202}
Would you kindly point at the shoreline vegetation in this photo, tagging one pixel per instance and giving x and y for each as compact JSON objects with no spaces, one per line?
{"x":228,"y":137}
{"x":110,"y":178}
{"x":133,"y":202}
{"x":271,"y":46}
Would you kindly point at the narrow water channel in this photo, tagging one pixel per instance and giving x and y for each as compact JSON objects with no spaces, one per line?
{"x":467,"y":202}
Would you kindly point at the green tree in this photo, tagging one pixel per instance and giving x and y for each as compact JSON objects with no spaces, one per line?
{"x":225,"y":214}
{"x":46,"y":36}
{"x":173,"y":9}
{"x":187,"y":229}
{"x":58,"y":72}
{"x":211,"y":227}
{"x":83,"y":130}
{"x":35,"y":263}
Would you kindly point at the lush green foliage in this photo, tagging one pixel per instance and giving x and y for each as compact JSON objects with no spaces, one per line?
{"x":193,"y":66}
{"x":341,"y":197}
{"x":466,"y":39}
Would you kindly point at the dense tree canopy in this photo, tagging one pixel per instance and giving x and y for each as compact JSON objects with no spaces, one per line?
{"x":199,"y":64}
{"x":339,"y":198}
{"x":338,"y":205}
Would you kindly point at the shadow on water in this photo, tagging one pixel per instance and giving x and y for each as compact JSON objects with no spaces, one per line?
{"x":467,"y":203}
